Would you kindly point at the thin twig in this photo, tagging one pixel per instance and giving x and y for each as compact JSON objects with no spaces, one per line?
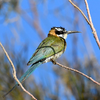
{"x":80,"y":11}
{"x":88,"y":21}
{"x":76,"y":72}
{"x":14,"y":73}
{"x":88,"y":12}
{"x":91,"y":24}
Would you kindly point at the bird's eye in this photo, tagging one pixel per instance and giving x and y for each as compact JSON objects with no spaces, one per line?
{"x":59,"y":32}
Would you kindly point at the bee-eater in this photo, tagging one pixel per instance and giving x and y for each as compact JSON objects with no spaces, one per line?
{"x":49,"y":49}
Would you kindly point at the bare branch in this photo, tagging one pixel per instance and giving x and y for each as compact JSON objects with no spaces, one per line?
{"x":80,"y":11}
{"x":88,"y":21}
{"x":56,"y":63}
{"x":91,"y":24}
{"x":14,"y":73}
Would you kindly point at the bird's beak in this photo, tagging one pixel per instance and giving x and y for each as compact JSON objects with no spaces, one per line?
{"x":70,"y":32}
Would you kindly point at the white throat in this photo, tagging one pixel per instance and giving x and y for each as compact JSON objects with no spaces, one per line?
{"x":63,"y":35}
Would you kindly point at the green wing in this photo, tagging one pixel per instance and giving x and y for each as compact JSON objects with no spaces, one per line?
{"x":48,"y":47}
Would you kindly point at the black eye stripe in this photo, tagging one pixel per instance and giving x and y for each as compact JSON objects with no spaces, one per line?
{"x":59,"y":32}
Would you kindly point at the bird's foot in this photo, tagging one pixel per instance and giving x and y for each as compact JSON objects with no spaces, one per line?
{"x":54,"y":62}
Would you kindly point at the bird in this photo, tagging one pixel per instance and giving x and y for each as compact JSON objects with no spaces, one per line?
{"x":48,"y":50}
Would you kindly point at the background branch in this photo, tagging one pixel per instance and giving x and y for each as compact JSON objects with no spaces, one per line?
{"x":88,"y":21}
{"x":76,"y":72}
{"x":14,"y":73}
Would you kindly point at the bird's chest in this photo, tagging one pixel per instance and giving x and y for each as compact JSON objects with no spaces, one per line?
{"x":54,"y":57}
{"x":58,"y":49}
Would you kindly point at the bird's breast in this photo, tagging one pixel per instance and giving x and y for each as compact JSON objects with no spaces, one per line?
{"x":53,"y":57}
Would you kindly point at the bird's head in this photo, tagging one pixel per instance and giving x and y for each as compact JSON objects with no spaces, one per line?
{"x":60,"y":32}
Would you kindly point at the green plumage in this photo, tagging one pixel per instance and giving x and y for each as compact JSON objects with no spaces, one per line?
{"x":48,"y":47}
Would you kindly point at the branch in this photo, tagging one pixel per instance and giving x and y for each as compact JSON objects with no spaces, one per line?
{"x":88,"y":21}
{"x":56,"y":63}
{"x":34,"y":22}
{"x":80,"y":11}
{"x":91,"y":24}
{"x":14,"y":73}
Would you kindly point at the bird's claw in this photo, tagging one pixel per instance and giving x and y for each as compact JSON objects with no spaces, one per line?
{"x":54,"y":62}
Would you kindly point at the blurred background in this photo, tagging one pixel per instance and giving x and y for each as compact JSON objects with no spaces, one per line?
{"x":24,"y":24}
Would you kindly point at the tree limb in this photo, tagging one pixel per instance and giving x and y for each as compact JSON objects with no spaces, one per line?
{"x":14,"y":73}
{"x":88,"y":21}
{"x":56,"y":63}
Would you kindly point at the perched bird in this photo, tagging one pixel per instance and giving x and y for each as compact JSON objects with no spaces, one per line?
{"x":49,"y":49}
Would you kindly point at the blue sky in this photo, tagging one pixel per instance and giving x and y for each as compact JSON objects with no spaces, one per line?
{"x":27,"y":34}
{"x":50,"y":21}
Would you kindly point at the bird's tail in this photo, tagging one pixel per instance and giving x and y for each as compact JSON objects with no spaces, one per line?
{"x":25,"y":76}
{"x":10,"y":90}
{"x":29,"y":72}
